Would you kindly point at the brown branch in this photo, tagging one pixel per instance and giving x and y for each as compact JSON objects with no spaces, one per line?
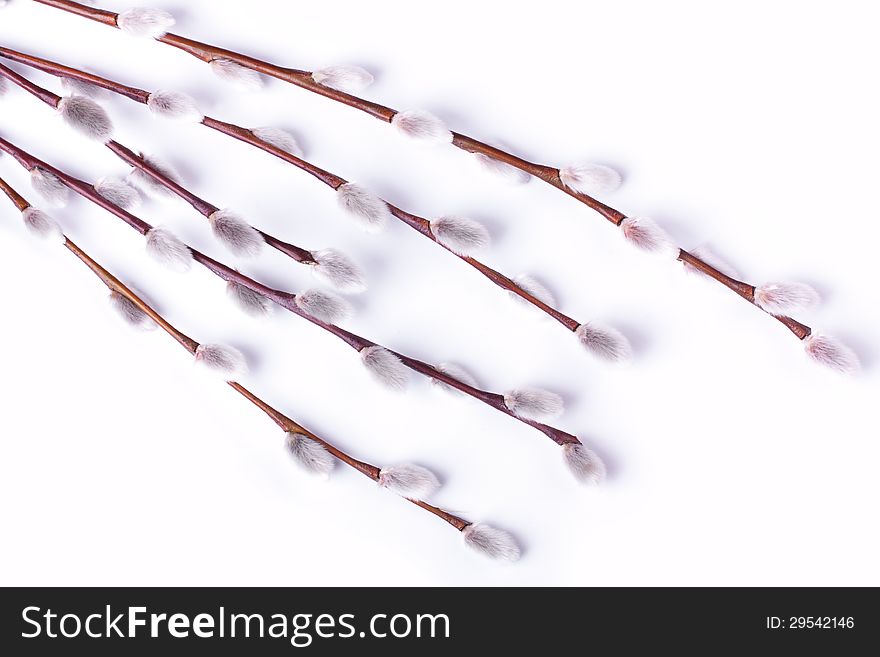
{"x":419,"y":224}
{"x":203,"y":207}
{"x":550,"y":175}
{"x":286,"y":300}
{"x":93,"y":13}
{"x":115,"y":285}
{"x":286,"y":423}
{"x":17,"y":199}
{"x":46,"y":96}
{"x":62,"y":71}
{"x":744,"y":290}
{"x":129,"y":157}
{"x":289,"y":426}
{"x":297,"y":253}
{"x":29,"y":162}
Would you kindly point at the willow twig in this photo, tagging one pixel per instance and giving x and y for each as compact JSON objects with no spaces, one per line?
{"x":235,"y":233}
{"x":452,"y":234}
{"x":528,"y":405}
{"x":312,"y":451}
{"x":775,"y":299}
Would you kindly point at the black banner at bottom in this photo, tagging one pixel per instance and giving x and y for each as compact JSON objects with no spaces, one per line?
{"x":433,"y":621}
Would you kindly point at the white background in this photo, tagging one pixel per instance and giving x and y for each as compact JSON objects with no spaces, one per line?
{"x":733,"y":460}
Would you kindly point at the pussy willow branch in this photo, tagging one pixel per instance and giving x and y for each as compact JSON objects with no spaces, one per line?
{"x":207,"y":53}
{"x":301,"y":255}
{"x":201,"y":206}
{"x":332,"y":180}
{"x":284,"y":299}
{"x":17,"y":199}
{"x":284,"y":422}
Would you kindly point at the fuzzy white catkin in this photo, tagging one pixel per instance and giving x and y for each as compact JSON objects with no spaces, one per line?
{"x":588,"y":178}
{"x":4,"y":86}
{"x":831,"y":353}
{"x":491,"y":542}
{"x":507,"y":173}
{"x":41,"y":225}
{"x":584,"y":464}
{"x":385,"y":367}
{"x":280,"y":139}
{"x":118,"y":192}
{"x":165,"y":247}
{"x":364,"y":206}
{"x":86,"y":117}
{"x":349,"y":79}
{"x":236,"y":234}
{"x":50,"y":187}
{"x":149,"y":184}
{"x":644,"y":234}
{"x":533,"y":287}
{"x":309,"y":455}
{"x":225,"y":361}
{"x":338,"y":270}
{"x":129,"y":312}
{"x":250,"y":302}
{"x":460,"y":235}
{"x":174,"y":105}
{"x":323,"y":306}
{"x":422,"y":126}
{"x":457,"y":373}
{"x":241,"y":76}
{"x":604,"y":342}
{"x":145,"y":22}
{"x":785,"y":298}
{"x":534,"y":403}
{"x":409,"y":480}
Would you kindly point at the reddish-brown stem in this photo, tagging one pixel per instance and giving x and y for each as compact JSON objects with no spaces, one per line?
{"x":17,"y":199}
{"x":208,"y":53}
{"x":291,"y":426}
{"x":118,"y":287}
{"x":82,"y":188}
{"x":130,"y":157}
{"x":286,"y":300}
{"x":423,"y":226}
{"x":744,"y":290}
{"x":419,"y":224}
{"x":548,"y":174}
{"x":42,"y":94}
{"x":62,"y":71}
{"x":93,"y":13}
{"x":492,"y":399}
{"x":459,"y":523}
{"x":247,"y":136}
{"x":200,"y":205}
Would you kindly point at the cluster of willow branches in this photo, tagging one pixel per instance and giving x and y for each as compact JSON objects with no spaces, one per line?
{"x":117,"y":196}
{"x":313,"y":453}
{"x":460,"y":236}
